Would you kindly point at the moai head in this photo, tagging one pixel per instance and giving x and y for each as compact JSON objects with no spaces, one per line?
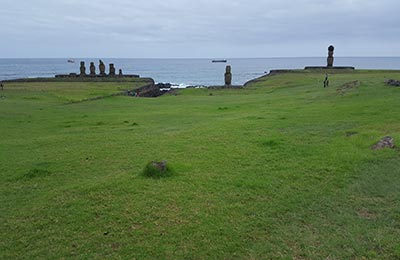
{"x":330,"y":56}
{"x":331,"y":49}
{"x":228,"y":76}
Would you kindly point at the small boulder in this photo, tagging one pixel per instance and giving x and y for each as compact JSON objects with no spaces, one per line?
{"x":392,"y":82}
{"x":157,"y":169}
{"x":386,"y":142}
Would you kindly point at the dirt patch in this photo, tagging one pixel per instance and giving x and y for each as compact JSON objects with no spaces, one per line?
{"x":366,"y":214}
{"x":351,"y":133}
{"x":348,"y":86}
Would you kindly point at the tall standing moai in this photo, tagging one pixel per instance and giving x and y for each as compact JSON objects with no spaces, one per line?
{"x":112,"y":70}
{"x":330,"y":56}
{"x":228,"y":76}
{"x":102,"y":68}
{"x":82,"y":69}
{"x":120,"y":73}
{"x":92,"y":69}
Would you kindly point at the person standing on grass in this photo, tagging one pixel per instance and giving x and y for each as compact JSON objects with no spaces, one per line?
{"x":326,"y":81}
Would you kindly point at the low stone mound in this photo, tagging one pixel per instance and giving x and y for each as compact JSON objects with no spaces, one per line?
{"x":156,"y":169}
{"x":392,"y":82}
{"x":385,"y":142}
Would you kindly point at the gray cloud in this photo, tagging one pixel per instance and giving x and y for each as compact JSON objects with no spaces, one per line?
{"x":183,"y":28}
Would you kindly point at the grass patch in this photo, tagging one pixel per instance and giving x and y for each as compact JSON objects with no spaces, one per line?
{"x":271,"y":143}
{"x":36,"y":173}
{"x":287,"y":172}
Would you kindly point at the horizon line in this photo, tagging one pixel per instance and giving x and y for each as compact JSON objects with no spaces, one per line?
{"x":182,"y":58}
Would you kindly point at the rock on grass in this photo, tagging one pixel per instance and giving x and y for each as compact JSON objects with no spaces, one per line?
{"x":156,"y":169}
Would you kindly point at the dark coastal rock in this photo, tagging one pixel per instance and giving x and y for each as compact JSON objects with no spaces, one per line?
{"x":386,"y":142}
{"x":164,"y":85}
{"x":392,"y":82}
{"x":153,"y":90}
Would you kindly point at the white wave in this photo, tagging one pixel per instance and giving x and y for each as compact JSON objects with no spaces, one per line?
{"x":181,"y":85}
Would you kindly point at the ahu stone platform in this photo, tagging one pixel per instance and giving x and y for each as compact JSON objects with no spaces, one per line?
{"x":93,"y":76}
{"x":329,"y":68}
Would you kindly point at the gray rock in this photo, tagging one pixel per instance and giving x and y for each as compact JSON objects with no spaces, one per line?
{"x":392,"y":82}
{"x":386,"y":142}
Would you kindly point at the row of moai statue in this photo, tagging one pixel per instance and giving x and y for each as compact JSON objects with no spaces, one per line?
{"x":102,"y":69}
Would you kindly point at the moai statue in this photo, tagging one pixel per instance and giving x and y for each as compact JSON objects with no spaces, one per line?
{"x":120,"y":73}
{"x":92,"y":69}
{"x":228,"y":76}
{"x":330,"y":56}
{"x":102,"y":68}
{"x":82,"y":69}
{"x":112,"y":69}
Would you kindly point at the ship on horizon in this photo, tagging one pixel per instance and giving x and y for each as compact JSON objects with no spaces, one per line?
{"x":219,"y":61}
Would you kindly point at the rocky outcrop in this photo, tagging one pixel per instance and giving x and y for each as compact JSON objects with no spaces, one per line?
{"x":386,"y":142}
{"x":392,"y":82}
{"x":152,"y":90}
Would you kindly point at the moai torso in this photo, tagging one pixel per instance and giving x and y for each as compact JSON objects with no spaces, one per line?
{"x":92,"y":69}
{"x":330,"y":56}
{"x":228,"y":76}
{"x":112,"y":70}
{"x":102,"y":68}
{"x":83,"y":69}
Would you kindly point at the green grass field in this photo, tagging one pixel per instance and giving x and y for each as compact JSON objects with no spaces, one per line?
{"x":282,"y":169}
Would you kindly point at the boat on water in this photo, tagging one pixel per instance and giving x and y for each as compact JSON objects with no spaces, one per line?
{"x":70,"y":61}
{"x":219,"y":61}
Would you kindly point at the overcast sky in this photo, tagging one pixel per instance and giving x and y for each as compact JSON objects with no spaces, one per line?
{"x":198,"y":28}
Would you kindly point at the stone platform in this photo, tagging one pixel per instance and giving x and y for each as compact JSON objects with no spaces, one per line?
{"x":74,"y":75}
{"x":329,"y":68}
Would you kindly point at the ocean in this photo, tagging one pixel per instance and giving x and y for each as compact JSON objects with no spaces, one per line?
{"x":185,"y":72}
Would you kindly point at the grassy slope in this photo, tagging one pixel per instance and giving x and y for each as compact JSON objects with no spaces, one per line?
{"x":280,"y":170}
